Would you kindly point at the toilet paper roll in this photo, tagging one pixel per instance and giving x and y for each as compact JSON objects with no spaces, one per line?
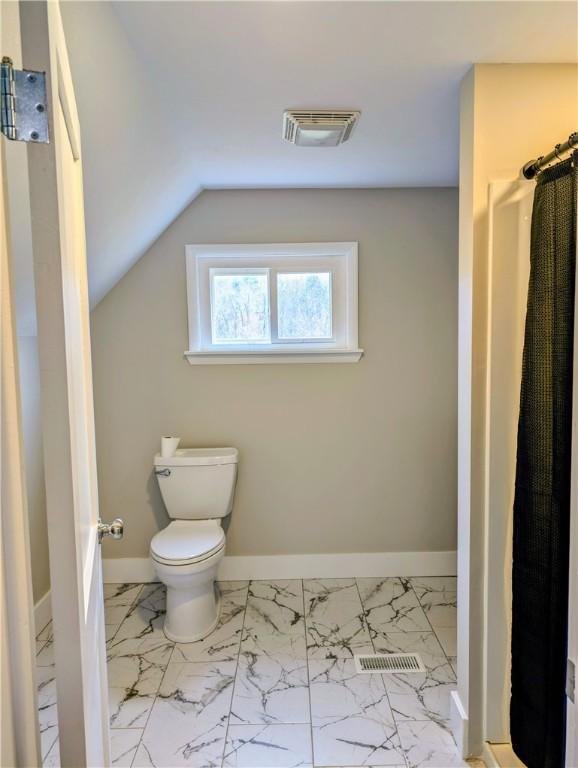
{"x":169,"y":445}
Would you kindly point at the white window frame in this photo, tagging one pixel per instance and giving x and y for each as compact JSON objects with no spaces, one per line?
{"x":340,"y":259}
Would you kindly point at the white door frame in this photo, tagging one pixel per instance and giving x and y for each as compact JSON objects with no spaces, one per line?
{"x":509,"y":213}
{"x":20,"y":733}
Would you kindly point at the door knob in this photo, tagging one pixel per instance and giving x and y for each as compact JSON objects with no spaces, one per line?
{"x":114,"y":529}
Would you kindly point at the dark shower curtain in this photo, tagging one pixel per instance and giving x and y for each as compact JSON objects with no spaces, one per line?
{"x":542,"y":498}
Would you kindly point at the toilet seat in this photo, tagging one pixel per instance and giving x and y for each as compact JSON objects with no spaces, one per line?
{"x":184,"y":542}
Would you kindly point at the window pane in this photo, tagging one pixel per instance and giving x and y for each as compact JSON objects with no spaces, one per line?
{"x":304,"y":305}
{"x":240,"y":308}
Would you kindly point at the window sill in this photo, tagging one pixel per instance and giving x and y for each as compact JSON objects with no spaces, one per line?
{"x":274,"y":357}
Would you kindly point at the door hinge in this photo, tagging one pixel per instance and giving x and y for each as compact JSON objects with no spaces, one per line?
{"x":570,"y":679}
{"x":23,"y":104}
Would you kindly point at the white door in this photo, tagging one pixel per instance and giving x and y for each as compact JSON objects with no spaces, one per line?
{"x":59,"y":253}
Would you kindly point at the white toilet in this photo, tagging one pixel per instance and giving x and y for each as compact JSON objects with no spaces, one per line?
{"x":197,"y":486}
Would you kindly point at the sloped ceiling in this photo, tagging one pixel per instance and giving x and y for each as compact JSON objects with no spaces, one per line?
{"x":178,"y":96}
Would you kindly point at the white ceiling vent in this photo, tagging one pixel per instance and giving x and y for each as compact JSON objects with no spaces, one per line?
{"x":318,"y":128}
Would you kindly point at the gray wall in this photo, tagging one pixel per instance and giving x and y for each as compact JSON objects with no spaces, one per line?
{"x":333,"y":457}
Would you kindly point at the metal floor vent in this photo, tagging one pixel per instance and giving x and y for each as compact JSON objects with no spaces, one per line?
{"x":389,"y":663}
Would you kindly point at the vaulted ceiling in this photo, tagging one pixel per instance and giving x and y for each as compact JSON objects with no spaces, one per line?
{"x":175,"y":97}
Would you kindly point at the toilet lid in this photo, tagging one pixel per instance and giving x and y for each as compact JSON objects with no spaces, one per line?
{"x":187,"y":541}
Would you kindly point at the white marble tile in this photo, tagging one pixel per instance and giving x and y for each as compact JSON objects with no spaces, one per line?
{"x":45,"y":634}
{"x":351,"y":717}
{"x":356,"y":741}
{"x":275,"y":607}
{"x":129,"y":709}
{"x":116,"y":607}
{"x":153,"y":646}
{"x":423,"y":695}
{"x":123,"y":745}
{"x":268,"y":746}
{"x":110,"y":631}
{"x":334,"y":619}
{"x":52,"y":759}
{"x":254,"y":643}
{"x":194,"y":706}
{"x":121,"y":594}
{"x":144,"y":758}
{"x":141,"y":633}
{"x":429,"y":745}
{"x":118,"y":599}
{"x":45,"y":685}
{"x":223,"y":643}
{"x":187,"y":724}
{"x":234,"y":591}
{"x":448,"y":640}
{"x":272,"y":684}
{"x":391,"y":605}
{"x":48,"y":735}
{"x":115,"y":614}
{"x":438,"y":598}
{"x":202,"y":747}
{"x":135,"y":669}
{"x":134,"y":681}
{"x":339,"y":692}
{"x":47,"y":713}
{"x":146,"y":616}
{"x":45,"y":656}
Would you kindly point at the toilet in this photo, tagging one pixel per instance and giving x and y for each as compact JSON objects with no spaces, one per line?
{"x":197,"y":486}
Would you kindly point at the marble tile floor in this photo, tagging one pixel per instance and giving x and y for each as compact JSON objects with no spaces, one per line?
{"x":275,"y":684}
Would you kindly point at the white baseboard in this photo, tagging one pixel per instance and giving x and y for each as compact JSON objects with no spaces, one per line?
{"x":42,"y":613}
{"x":459,"y":723}
{"x":233,"y":567}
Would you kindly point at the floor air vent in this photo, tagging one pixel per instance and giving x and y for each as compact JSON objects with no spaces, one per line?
{"x":389,"y":663}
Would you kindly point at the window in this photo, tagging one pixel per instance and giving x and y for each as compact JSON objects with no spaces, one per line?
{"x":272,"y":303}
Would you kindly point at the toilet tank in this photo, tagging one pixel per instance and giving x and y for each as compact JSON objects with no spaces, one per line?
{"x":197,"y":483}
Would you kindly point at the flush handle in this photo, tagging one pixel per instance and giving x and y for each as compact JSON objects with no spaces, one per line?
{"x":163,"y":472}
{"x":114,"y":529}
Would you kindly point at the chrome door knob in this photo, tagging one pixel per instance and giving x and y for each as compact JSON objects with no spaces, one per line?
{"x":114,"y":529}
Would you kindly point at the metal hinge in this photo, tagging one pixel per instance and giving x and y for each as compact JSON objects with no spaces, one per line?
{"x":23,"y":104}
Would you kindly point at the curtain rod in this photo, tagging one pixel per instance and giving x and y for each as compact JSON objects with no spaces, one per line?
{"x":533,"y":167}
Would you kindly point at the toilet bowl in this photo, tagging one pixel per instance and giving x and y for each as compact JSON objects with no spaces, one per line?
{"x":197,"y":486}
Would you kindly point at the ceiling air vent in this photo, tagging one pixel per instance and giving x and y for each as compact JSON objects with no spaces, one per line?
{"x":390,"y":663}
{"x":318,"y":128}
